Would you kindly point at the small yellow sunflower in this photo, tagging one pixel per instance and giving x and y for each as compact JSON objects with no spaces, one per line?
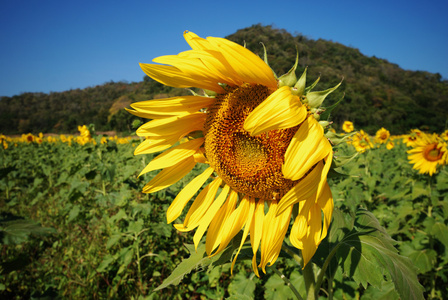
{"x":390,"y":145}
{"x":361,"y":141}
{"x":382,"y":135}
{"x":347,"y":126}
{"x":411,"y":138}
{"x":28,"y":138}
{"x":262,"y":146}
{"x":428,"y":153}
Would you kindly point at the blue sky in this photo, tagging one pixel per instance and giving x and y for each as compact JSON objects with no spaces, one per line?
{"x":59,"y":45}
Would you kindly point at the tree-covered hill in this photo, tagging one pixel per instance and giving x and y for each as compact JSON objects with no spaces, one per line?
{"x":376,"y":93}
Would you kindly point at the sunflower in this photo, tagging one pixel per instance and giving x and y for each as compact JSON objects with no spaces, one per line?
{"x":411,"y":139}
{"x":390,"y":145}
{"x":382,"y":135}
{"x":429,"y":152}
{"x":260,"y":140}
{"x":347,"y":126}
{"x":444,"y":135}
{"x":361,"y":141}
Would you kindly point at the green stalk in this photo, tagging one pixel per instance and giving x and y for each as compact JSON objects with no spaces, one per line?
{"x":310,"y":281}
{"x":307,"y":271}
{"x":288,"y":283}
{"x":320,"y":276}
{"x":139,"y":270}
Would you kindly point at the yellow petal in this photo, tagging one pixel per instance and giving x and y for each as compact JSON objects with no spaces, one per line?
{"x":185,"y":195}
{"x":307,"y":147}
{"x":299,"y":228}
{"x":172,"y":76}
{"x":200,"y":206}
{"x":256,"y":231}
{"x":215,"y":231}
{"x":182,"y":105}
{"x":196,"y":42}
{"x":218,"y":65}
{"x":176,"y":125}
{"x":174,"y":155}
{"x":248,"y":215}
{"x":153,"y":145}
{"x":303,"y":190}
{"x":280,"y":110}
{"x":311,"y":242}
{"x":169,"y":176}
{"x":209,"y":215}
{"x":325,"y":202}
{"x":249,"y":67}
{"x":212,"y":58}
{"x":326,"y":169}
{"x":191,"y":64}
{"x":274,"y":231}
{"x":257,"y":226}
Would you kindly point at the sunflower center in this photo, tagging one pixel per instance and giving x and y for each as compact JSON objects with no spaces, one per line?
{"x":249,"y":164}
{"x":432,"y":153}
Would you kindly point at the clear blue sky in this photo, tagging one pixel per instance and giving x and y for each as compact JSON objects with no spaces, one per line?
{"x":60,"y":45}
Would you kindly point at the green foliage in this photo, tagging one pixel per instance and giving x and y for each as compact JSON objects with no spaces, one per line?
{"x":111,"y":241}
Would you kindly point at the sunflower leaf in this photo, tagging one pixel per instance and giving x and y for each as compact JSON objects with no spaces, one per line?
{"x":367,"y":255}
{"x":15,"y":230}
{"x":197,"y":260}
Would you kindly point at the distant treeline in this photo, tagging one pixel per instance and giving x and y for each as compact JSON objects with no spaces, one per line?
{"x":376,"y":93}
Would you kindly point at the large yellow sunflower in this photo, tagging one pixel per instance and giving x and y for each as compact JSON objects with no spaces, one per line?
{"x":429,"y":152}
{"x":260,"y":137}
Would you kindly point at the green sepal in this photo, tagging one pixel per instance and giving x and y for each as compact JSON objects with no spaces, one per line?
{"x":300,"y":85}
{"x":339,"y":161}
{"x":315,"y":99}
{"x":308,"y":89}
{"x":327,"y":110}
{"x":337,"y":138}
{"x":290,"y":78}
{"x":265,"y":59}
{"x":333,"y":173}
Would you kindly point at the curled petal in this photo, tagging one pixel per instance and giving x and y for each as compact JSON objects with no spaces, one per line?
{"x":280,"y":110}
{"x":308,"y":144}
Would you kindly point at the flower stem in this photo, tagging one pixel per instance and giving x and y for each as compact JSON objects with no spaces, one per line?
{"x":288,"y":283}
{"x":321,"y":274}
{"x":310,"y":281}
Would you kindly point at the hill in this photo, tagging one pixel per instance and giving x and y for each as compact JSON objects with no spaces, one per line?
{"x":376,"y":93}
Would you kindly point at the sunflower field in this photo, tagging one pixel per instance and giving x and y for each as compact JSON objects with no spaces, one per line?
{"x":75,"y":224}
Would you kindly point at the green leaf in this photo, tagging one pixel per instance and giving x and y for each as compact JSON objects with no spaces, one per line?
{"x":197,"y":260}
{"x":387,"y":291}
{"x":113,"y":240}
{"x":107,"y":260}
{"x":163,"y":229}
{"x":241,"y":286}
{"x":367,"y":253}
{"x":423,"y":259}
{"x":276,"y":288}
{"x":135,"y":226}
{"x":74,"y":212}
{"x":440,"y":231}
{"x":16,"y":231}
